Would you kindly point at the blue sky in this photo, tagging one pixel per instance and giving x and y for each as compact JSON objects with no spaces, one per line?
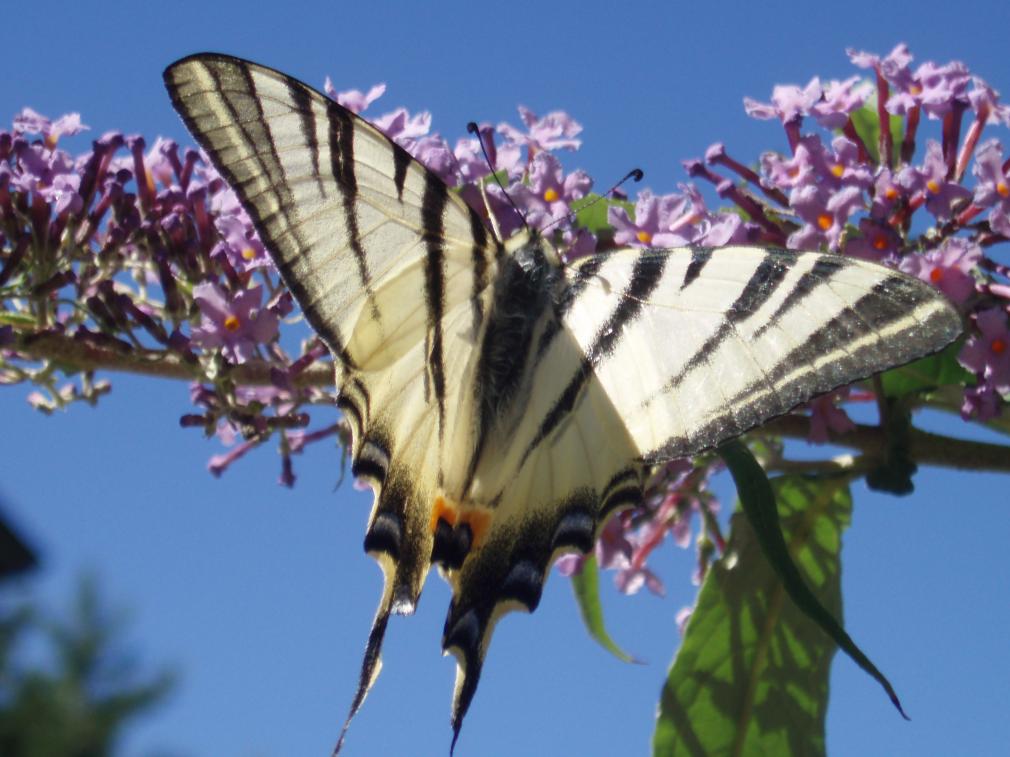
{"x":262,"y":596}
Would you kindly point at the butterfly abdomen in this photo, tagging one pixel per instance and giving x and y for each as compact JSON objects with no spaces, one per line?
{"x":523,"y":296}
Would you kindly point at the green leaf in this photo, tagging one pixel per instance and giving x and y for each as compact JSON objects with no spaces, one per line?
{"x":751,"y":676}
{"x":592,"y":212}
{"x":867,"y":125}
{"x":927,"y":374}
{"x":17,"y":319}
{"x":759,"y":503}
{"x":586,"y":585}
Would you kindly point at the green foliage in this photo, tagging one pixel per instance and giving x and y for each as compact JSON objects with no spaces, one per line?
{"x":592,"y":212}
{"x":78,"y":705}
{"x":759,"y":502}
{"x":867,"y":125}
{"x":586,"y":585}
{"x":928,"y":374}
{"x":751,"y":676}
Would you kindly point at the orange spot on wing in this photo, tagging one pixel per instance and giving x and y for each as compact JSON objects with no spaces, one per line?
{"x":443,"y":510}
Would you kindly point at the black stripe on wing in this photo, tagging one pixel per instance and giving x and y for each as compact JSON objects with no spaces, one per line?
{"x":401,"y":162}
{"x":888,"y":302}
{"x":624,"y":488}
{"x":822,"y":270}
{"x":762,"y":285}
{"x":480,"y":270}
{"x":436,"y":195}
{"x":234,"y":91}
{"x":342,"y":165}
{"x":699,"y":258}
{"x":645,"y":277}
{"x":303,"y":106}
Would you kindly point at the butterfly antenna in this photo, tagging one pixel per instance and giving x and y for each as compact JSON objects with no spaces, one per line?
{"x":635,"y":174}
{"x":475,"y":130}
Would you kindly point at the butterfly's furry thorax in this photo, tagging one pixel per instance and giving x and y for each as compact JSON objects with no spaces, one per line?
{"x":525,"y":292}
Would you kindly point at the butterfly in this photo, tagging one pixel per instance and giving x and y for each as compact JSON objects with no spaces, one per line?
{"x":503,"y":403}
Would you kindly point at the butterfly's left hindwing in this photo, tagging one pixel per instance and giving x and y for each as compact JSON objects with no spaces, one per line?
{"x":503,"y":405}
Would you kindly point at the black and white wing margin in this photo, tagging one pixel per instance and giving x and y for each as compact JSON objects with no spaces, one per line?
{"x":504,"y":405}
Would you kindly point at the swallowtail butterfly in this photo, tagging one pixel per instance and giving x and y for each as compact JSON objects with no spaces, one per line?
{"x":503,"y":404}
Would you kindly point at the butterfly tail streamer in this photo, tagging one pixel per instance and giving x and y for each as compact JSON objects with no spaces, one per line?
{"x":371,"y":663}
{"x":758,"y":501}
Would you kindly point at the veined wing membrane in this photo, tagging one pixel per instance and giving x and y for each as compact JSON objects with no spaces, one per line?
{"x":724,"y":339}
{"x":343,"y":208}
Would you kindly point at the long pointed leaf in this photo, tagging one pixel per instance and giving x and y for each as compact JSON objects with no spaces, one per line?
{"x":758,"y":500}
{"x":586,"y":585}
{"x":751,"y":676}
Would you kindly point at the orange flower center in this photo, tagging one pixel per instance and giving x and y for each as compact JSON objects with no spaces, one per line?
{"x":232,"y":323}
{"x":837,"y":170}
{"x":551,"y":195}
{"x":933,"y":186}
{"x":891,"y":193}
{"x":935,"y":275}
{"x":825,"y":221}
{"x":1002,"y":189}
{"x":998,"y":346}
{"x":880,"y":242}
{"x":248,"y":253}
{"x":915,"y":89}
{"x":644,"y":237}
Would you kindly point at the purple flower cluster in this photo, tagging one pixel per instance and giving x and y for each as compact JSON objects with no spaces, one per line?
{"x":524,"y":162}
{"x":144,"y":259}
{"x":856,"y":181}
